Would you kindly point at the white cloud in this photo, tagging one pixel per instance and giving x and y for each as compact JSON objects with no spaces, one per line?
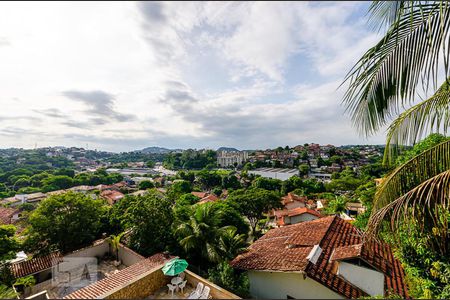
{"x":145,"y":57}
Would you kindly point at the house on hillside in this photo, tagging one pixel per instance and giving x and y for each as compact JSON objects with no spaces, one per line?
{"x":295,"y":209}
{"x":112,"y":196}
{"x":320,"y":259}
{"x":9,"y":215}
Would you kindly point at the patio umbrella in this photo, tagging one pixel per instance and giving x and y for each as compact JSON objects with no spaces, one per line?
{"x":174,"y":267}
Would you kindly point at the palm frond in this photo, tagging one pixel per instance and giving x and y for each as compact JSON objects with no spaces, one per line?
{"x":388,"y":74}
{"x":423,"y":204}
{"x":384,"y":13}
{"x":409,"y":175}
{"x":430,"y":115}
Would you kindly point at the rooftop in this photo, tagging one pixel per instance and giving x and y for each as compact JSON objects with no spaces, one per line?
{"x":145,"y":279}
{"x":286,"y":249}
{"x":6,"y":214}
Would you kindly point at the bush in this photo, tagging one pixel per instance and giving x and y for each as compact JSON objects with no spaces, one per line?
{"x":230,"y":279}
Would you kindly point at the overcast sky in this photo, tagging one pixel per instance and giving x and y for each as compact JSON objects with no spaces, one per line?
{"x":123,"y":76}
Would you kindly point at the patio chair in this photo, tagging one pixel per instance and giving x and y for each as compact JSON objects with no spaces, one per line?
{"x":182,"y":275}
{"x":182,"y":285}
{"x":205,"y":293}
{"x":198,"y":291}
{"x":171,"y":288}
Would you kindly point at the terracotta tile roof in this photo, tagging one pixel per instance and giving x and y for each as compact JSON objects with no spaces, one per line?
{"x":35,"y":265}
{"x":6,"y":214}
{"x":290,"y":197}
{"x":112,"y":196}
{"x":209,"y":198}
{"x":127,"y":275}
{"x":286,"y":248}
{"x":303,"y":210}
{"x":200,"y":194}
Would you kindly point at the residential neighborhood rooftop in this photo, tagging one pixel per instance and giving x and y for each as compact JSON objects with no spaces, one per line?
{"x":288,"y":249}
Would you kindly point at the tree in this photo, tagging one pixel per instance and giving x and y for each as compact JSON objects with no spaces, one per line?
{"x":231,"y":216}
{"x":7,"y":292}
{"x":337,"y":205}
{"x":200,"y":235}
{"x":253,"y":203}
{"x":146,"y":184}
{"x":114,"y":241}
{"x":230,"y":279}
{"x":150,"y":164}
{"x":380,"y":85}
{"x":150,"y":219}
{"x":390,"y":76}
{"x":304,"y":169}
{"x":8,"y":243}
{"x":267,"y":184}
{"x":66,"y":222}
{"x":231,"y":244}
{"x":179,"y":188}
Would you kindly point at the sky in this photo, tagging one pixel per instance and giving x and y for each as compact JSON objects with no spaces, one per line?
{"x":122,"y":76}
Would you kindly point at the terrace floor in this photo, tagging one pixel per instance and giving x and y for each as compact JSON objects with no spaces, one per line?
{"x":163,"y":293}
{"x":104,"y":269}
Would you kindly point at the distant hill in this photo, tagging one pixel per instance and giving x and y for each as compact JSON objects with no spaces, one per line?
{"x":227,"y":149}
{"x":157,"y":150}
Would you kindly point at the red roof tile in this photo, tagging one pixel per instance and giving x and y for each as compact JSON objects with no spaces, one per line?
{"x":35,"y":265}
{"x":200,"y":194}
{"x":303,"y":210}
{"x":110,"y":283}
{"x":209,"y":198}
{"x":6,"y":214}
{"x":291,"y":197}
{"x":286,"y":248}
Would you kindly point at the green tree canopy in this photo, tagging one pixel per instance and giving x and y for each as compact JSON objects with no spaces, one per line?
{"x":66,"y":222}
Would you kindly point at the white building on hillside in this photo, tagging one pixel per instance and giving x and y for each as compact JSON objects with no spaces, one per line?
{"x":275,"y":173}
{"x":231,"y":158}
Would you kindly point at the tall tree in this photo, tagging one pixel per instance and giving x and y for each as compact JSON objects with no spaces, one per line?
{"x":65,"y":222}
{"x":254,"y":203}
{"x":200,"y":236}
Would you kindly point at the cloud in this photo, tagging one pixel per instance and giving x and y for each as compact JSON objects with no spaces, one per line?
{"x":4,"y":42}
{"x":51,"y":112}
{"x":100,"y":103}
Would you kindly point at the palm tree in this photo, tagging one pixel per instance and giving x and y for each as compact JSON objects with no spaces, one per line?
{"x":407,"y":61}
{"x":114,"y":241}
{"x":231,"y":244}
{"x":7,"y":292}
{"x":200,"y":236}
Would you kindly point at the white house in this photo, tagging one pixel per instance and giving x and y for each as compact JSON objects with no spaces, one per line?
{"x":320,"y":259}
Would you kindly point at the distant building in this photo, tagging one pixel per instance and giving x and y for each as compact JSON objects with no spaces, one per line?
{"x":275,"y":173}
{"x":8,"y":215}
{"x":231,"y":158}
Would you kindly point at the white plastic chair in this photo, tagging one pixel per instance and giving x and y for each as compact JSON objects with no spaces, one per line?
{"x":171,"y":288}
{"x":205,"y":293}
{"x":182,"y":285}
{"x":198,"y":291}
{"x":182,"y":275}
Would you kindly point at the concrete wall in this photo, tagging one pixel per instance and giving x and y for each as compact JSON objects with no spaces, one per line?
{"x":143,"y":287}
{"x":97,"y":250}
{"x":152,"y":281}
{"x":279,"y":285}
{"x":370,"y":281}
{"x":216,"y":291}
{"x":128,"y":256}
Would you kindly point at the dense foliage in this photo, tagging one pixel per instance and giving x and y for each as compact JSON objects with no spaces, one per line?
{"x":190,"y":159}
{"x":65,"y":222}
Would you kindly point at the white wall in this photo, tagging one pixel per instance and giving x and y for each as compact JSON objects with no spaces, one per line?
{"x":277,"y":285}
{"x":302,"y":218}
{"x":370,"y":281}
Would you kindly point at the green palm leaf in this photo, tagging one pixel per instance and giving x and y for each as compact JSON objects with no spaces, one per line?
{"x":432,"y":114}
{"x":409,"y":175}
{"x":425,"y":203}
{"x":409,"y":55}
